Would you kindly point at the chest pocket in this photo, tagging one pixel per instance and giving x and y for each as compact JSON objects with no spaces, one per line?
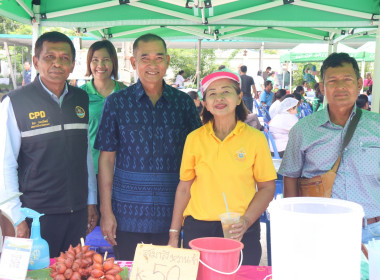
{"x":368,"y":157}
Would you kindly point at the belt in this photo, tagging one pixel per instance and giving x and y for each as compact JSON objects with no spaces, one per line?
{"x":371,"y":220}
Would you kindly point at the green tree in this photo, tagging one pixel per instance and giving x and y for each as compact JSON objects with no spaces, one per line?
{"x":186,"y":60}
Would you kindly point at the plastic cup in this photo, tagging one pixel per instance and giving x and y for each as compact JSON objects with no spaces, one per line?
{"x":227,"y":221}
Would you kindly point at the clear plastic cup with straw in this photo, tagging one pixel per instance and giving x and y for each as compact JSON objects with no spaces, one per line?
{"x":228,"y":219}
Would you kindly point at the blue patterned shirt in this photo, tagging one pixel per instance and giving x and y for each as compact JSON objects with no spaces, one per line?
{"x":148,"y":142}
{"x":314,"y":146}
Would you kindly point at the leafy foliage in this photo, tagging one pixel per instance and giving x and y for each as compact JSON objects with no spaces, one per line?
{"x":186,"y":59}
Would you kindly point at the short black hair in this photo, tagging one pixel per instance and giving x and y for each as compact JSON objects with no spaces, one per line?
{"x":361,"y":101}
{"x":267,"y":82}
{"x":280,"y":94}
{"x":269,"y":68}
{"x":193,"y":94}
{"x":181,"y":72}
{"x":337,"y":60}
{"x":221,"y":67}
{"x":299,"y":89}
{"x":243,"y":69}
{"x":53,"y":37}
{"x":149,"y":37}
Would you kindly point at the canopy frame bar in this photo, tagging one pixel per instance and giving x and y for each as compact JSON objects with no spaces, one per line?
{"x":134,"y":31}
{"x":302,"y":33}
{"x":25,"y":7}
{"x":258,"y":8}
{"x":336,"y":10}
{"x":191,"y":31}
{"x":251,"y":30}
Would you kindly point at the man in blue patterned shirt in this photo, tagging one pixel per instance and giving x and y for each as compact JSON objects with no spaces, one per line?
{"x":315,"y":141}
{"x":141,"y":137}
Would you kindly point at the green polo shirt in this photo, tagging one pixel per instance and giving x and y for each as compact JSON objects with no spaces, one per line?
{"x":95,"y":112}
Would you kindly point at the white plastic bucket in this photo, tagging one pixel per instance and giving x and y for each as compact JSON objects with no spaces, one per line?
{"x":315,"y":238}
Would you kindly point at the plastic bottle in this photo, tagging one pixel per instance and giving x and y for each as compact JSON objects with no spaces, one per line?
{"x":39,"y":257}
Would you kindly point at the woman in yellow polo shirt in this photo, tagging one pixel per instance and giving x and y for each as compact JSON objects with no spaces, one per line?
{"x":225,"y":155}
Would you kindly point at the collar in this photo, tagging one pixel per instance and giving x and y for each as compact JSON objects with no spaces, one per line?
{"x":53,"y":96}
{"x":90,"y":88}
{"x":236,"y":131}
{"x":325,"y":117}
{"x":167,"y":93}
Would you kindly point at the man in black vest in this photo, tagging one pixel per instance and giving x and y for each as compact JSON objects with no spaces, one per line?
{"x":44,"y":149}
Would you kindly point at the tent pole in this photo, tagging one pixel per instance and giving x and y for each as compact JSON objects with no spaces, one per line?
{"x":362,"y":73}
{"x":261,"y":56}
{"x":199,"y":65}
{"x":291,"y":76}
{"x":13,"y":76}
{"x":376,"y":85}
{"x":36,"y":32}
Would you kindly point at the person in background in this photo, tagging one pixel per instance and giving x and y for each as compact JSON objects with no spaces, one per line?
{"x":247,"y":84}
{"x":226,"y":156}
{"x":26,"y":74}
{"x":266,"y":96}
{"x":102,"y":66}
{"x":141,"y":136}
{"x":266,"y":73}
{"x":281,"y":124}
{"x":368,"y":81}
{"x":197,"y":101}
{"x":272,"y":77}
{"x":45,"y":151}
{"x":362,"y":102}
{"x":259,"y":83}
{"x":180,"y":80}
{"x":276,"y":104}
{"x":315,"y":143}
{"x":369,"y":94}
{"x":318,"y":105}
{"x":305,"y":85}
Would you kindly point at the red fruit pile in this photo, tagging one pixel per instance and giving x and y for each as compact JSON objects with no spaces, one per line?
{"x":80,"y":263}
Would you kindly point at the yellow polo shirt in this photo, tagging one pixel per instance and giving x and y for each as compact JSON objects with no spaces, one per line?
{"x":231,"y":166}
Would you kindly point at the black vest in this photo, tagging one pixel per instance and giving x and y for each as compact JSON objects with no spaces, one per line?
{"x":52,"y":163}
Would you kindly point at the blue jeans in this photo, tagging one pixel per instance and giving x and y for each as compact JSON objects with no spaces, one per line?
{"x":248,"y":101}
{"x":371,"y":231}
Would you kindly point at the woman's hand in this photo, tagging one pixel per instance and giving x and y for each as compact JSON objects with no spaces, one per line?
{"x":108,"y":227}
{"x":173,"y":239}
{"x":240,"y":228}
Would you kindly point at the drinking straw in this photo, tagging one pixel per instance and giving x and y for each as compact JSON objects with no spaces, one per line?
{"x":225,"y":201}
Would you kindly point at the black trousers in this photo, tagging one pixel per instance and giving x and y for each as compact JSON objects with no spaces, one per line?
{"x":127,"y":242}
{"x":62,"y":230}
{"x":193,"y":229}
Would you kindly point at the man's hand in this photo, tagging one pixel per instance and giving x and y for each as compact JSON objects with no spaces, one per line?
{"x":92,"y":218}
{"x":22,"y":230}
{"x":108,"y":227}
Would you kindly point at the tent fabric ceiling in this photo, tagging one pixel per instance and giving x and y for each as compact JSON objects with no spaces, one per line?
{"x":243,"y":20}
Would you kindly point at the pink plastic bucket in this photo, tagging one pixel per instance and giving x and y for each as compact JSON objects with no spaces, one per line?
{"x":219,"y":257}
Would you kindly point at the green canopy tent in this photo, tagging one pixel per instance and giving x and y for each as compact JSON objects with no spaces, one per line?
{"x":243,"y":20}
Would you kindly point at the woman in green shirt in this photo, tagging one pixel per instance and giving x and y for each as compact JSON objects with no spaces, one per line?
{"x":103,"y":67}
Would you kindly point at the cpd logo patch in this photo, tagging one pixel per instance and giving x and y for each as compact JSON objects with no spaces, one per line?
{"x":80,"y":112}
{"x":35,"y":115}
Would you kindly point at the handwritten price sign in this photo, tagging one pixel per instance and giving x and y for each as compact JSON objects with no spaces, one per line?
{"x":164,"y":263}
